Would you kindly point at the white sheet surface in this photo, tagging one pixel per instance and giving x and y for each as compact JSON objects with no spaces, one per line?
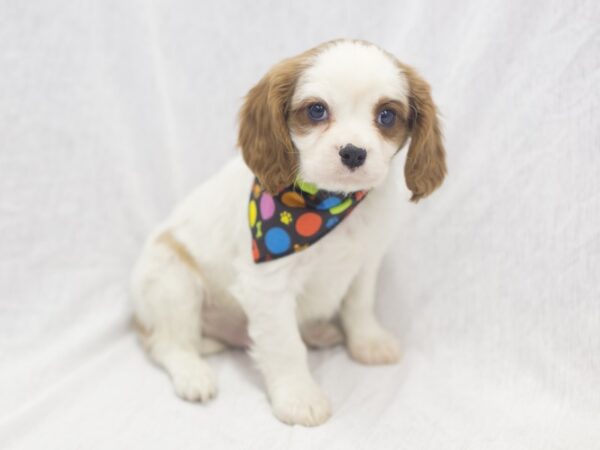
{"x":111,"y":111}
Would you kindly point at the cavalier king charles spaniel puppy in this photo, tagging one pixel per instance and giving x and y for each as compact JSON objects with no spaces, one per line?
{"x":281,"y":248}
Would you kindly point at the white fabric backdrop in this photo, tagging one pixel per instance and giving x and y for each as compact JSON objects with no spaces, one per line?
{"x":111,"y":111}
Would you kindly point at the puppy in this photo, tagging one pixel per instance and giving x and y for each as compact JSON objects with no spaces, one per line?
{"x":280,"y":246}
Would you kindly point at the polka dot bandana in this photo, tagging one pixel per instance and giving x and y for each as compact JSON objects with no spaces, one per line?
{"x":295,"y":218}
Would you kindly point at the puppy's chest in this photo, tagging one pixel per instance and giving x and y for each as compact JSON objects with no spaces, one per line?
{"x":366,"y":232}
{"x":328,"y":268}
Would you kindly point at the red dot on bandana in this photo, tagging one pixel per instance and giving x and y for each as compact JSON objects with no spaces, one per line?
{"x":308,"y":224}
{"x":255,"y":252}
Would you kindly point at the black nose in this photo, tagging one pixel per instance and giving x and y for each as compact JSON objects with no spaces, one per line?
{"x":352,"y":156}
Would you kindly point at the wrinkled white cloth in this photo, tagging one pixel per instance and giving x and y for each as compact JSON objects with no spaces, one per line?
{"x":110,"y":112}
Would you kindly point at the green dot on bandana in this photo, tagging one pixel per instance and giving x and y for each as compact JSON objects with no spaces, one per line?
{"x":309,"y":188}
{"x":341,"y":207}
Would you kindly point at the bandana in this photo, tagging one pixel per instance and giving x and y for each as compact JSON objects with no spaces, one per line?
{"x":295,"y":218}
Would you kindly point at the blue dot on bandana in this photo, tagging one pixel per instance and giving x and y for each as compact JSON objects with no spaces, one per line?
{"x":277,"y":240}
{"x":329,"y":202}
{"x":331,"y":222}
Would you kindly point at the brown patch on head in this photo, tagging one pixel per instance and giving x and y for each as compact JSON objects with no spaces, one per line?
{"x":425,"y":166}
{"x":264,"y":136}
{"x":398,"y":132}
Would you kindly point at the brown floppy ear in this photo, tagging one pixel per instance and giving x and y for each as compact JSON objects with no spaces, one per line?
{"x":264,"y":136}
{"x":425,"y":165}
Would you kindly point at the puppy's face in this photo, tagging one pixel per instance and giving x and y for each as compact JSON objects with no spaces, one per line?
{"x":335,"y":116}
{"x":349,"y":117}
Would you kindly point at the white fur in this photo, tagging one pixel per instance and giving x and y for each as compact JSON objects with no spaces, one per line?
{"x":268,"y":304}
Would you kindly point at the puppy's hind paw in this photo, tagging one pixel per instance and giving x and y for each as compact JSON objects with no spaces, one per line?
{"x":321,"y":334}
{"x":380,"y":348}
{"x":194,"y":381}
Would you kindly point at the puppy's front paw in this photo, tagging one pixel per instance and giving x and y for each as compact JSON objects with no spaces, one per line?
{"x":300,"y":404}
{"x":376,"y":348}
{"x":194,"y":381}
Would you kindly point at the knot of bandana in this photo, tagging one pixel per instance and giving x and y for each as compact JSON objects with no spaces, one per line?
{"x":295,"y":218}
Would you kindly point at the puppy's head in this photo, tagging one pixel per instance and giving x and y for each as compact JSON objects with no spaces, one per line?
{"x":335,"y":116}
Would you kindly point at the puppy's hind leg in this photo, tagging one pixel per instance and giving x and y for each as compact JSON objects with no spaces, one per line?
{"x":168,"y":292}
{"x":321,"y":333}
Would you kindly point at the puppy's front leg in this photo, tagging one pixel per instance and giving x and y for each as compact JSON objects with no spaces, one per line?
{"x":281,"y":356}
{"x":368,"y":342}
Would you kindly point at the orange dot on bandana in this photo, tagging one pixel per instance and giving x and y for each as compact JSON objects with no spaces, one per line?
{"x":308,"y":224}
{"x":293,"y":200}
{"x":255,"y":252}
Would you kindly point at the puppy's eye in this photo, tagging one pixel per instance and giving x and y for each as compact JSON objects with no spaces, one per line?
{"x":386,"y":118}
{"x":317,"y":112}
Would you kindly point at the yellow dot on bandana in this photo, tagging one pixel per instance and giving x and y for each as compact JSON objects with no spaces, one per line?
{"x":252,"y":213}
{"x":293,"y":200}
{"x":341,"y":207}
